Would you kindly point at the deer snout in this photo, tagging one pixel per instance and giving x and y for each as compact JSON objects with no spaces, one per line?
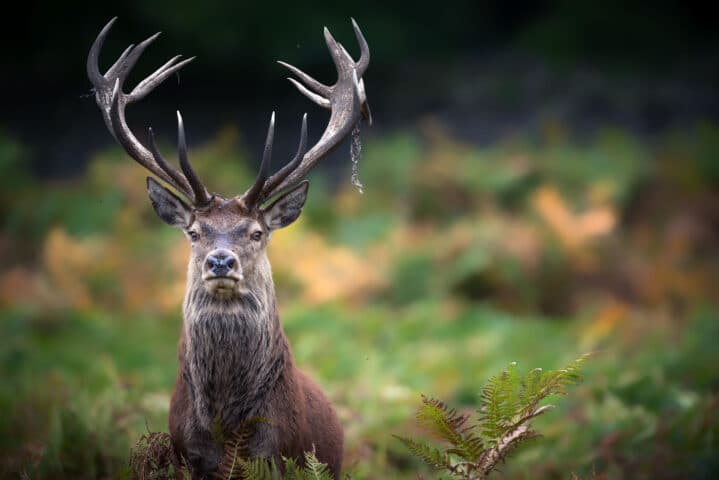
{"x":222,"y":263}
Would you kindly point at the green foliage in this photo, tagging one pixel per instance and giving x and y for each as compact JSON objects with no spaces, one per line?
{"x":82,"y":443}
{"x":314,"y":469}
{"x":154,"y":458}
{"x":508,"y":404}
{"x":257,"y":469}
{"x":450,"y":426}
{"x":413,"y":276}
{"x":235,"y":453}
{"x":480,"y":277}
{"x":432,"y":456}
{"x":266,"y":469}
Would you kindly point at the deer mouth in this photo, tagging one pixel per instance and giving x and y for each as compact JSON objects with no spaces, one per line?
{"x":222,"y":284}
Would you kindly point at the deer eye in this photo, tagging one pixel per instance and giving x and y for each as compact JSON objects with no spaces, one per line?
{"x":256,"y":236}
{"x":194,"y":236}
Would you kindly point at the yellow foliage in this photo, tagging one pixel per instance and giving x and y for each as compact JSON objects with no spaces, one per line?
{"x":68,"y":261}
{"x":72,"y":264}
{"x":126,"y":174}
{"x":170,"y":296}
{"x":325,"y":272}
{"x":495,"y":232}
{"x":573,"y":230}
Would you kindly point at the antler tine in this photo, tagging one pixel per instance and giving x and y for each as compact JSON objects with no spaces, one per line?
{"x":363,"y":61}
{"x":318,"y":99}
{"x":315,"y":85}
{"x":289,"y":167}
{"x":123,"y":69}
{"x":112,"y":71}
{"x":93,"y":58}
{"x":118,"y":127}
{"x":157,"y":77}
{"x":198,"y":189}
{"x":346,"y":99}
{"x":251,"y":197}
{"x":112,"y":102}
{"x":343,"y":61}
{"x":161,"y":160}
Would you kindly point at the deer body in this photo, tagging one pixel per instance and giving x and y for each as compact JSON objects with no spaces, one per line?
{"x":235,"y":363}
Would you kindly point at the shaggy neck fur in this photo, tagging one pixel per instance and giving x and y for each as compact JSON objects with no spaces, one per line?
{"x":236,"y":350}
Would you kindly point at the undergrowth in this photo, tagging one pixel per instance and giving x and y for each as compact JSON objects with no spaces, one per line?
{"x":473,"y":447}
{"x":508,"y":404}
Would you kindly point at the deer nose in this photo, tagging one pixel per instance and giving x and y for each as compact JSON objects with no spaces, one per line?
{"x":220,"y":262}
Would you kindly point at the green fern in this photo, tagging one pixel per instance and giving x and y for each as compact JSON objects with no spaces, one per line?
{"x":292,"y":470}
{"x":432,"y":456}
{"x":314,"y":469}
{"x":450,"y":426}
{"x":508,"y":404}
{"x":259,"y":468}
{"x":237,"y":462}
{"x":235,"y":448}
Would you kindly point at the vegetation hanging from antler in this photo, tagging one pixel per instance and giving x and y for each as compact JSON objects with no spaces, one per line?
{"x":508,"y":404}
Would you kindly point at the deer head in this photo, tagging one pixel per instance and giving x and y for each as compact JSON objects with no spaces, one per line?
{"x":229,"y":235}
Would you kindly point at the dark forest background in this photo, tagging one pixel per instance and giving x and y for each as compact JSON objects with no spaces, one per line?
{"x":489,"y":68}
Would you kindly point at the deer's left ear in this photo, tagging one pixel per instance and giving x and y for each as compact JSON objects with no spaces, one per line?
{"x":287,"y":208}
{"x":168,"y":206}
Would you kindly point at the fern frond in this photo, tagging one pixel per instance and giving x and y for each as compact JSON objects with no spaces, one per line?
{"x":490,"y":408}
{"x":471,"y":448}
{"x":315,"y":469}
{"x":538,"y":385}
{"x":449,"y":425}
{"x":236,"y":447}
{"x":153,"y":456}
{"x":259,"y":468}
{"x":508,"y":404}
{"x":503,"y":448}
{"x":229,"y":463}
{"x":433,"y":457}
{"x":292,"y":470}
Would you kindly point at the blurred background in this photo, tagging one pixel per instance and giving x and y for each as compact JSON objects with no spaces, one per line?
{"x":541,"y":181}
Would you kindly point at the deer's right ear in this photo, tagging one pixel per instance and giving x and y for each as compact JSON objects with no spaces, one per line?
{"x":287,"y":207}
{"x":168,"y":206}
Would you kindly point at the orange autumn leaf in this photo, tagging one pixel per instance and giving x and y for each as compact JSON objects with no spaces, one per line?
{"x":573,"y":230}
{"x":325,"y":272}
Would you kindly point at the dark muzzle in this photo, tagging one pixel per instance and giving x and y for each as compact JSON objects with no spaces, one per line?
{"x":220,"y":263}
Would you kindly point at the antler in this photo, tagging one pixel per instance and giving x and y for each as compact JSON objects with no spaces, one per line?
{"x":347,"y":102}
{"x":112,"y":102}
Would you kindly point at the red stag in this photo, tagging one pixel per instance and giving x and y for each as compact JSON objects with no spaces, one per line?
{"x":235,"y":362}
